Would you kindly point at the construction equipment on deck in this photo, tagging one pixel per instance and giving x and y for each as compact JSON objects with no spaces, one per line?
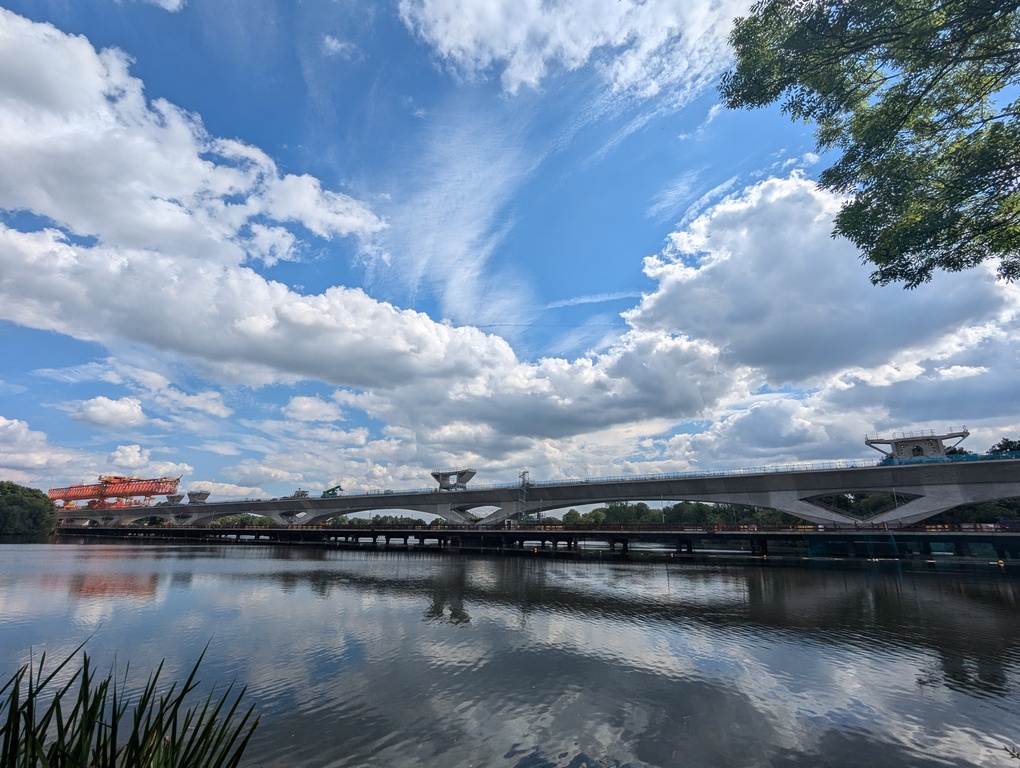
{"x":114,"y":491}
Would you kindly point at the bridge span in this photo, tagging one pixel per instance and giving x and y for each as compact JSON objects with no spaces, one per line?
{"x":920,"y":490}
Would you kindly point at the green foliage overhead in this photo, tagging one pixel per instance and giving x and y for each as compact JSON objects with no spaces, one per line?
{"x":914,"y":96}
{"x":25,"y":511}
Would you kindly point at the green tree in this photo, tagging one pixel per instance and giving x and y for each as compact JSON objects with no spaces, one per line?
{"x":342,"y":521}
{"x":1005,"y":445}
{"x":913,"y":94}
{"x":985,"y":512}
{"x":243,"y":520}
{"x":595,"y":517}
{"x":572,"y":517}
{"x":704,"y":513}
{"x":25,"y":511}
{"x":958,"y":451}
{"x":624,"y":513}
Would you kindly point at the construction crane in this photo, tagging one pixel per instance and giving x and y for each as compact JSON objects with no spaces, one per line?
{"x":122,"y":490}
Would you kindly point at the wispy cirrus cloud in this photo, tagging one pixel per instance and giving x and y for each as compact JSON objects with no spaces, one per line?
{"x":640,"y":48}
{"x":341,"y":49}
{"x":597,"y":298}
{"x":449,"y":217}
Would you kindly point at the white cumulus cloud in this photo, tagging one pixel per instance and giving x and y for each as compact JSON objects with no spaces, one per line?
{"x":27,"y":456}
{"x":311,"y":409}
{"x":760,"y":276}
{"x":81,"y":145}
{"x":104,"y":412}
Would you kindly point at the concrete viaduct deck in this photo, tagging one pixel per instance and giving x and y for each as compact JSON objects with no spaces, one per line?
{"x":922,"y":489}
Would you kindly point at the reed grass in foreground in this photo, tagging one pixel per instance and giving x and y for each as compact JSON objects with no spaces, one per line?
{"x":88,"y":722}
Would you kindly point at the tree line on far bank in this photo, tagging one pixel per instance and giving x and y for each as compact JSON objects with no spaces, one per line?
{"x":25,"y":511}
{"x":858,"y":505}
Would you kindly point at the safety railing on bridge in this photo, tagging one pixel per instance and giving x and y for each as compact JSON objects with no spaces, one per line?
{"x":369,"y":529}
{"x":693,"y":474}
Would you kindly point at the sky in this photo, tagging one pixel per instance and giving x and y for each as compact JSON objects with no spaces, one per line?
{"x":267,"y":245}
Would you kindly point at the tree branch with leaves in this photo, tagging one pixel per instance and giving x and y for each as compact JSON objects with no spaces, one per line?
{"x":914,"y":96}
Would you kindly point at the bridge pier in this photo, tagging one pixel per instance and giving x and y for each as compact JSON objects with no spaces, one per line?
{"x":1002,"y":551}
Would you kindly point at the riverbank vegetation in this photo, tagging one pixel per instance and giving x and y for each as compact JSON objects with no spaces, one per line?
{"x":406,"y":521}
{"x":242,"y":521}
{"x":25,"y":511}
{"x":681,"y":513}
{"x":861,"y":506}
{"x":89,"y":721}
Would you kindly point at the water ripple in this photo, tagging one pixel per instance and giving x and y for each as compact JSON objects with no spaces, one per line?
{"x":354,"y":659}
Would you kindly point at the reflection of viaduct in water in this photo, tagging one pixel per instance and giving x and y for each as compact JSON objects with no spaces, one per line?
{"x":925,"y":488}
{"x":448,"y":589}
{"x":971,"y":626}
{"x":139,"y":586}
{"x":981,"y":541}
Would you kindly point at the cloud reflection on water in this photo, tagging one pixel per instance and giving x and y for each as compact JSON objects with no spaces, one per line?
{"x":368,"y":659}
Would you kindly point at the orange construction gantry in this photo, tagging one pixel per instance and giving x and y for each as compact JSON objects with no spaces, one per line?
{"x":122,"y":489}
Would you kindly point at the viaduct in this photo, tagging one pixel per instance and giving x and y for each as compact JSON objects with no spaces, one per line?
{"x":919,"y":488}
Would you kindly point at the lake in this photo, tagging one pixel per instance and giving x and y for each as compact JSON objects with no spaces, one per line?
{"x":393,"y":659}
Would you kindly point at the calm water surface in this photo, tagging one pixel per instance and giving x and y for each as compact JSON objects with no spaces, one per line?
{"x":394,"y":660}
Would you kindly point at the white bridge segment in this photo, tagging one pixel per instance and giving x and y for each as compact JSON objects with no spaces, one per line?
{"x":932,"y":487}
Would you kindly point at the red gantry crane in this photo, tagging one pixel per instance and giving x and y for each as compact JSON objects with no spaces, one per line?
{"x":113,"y":491}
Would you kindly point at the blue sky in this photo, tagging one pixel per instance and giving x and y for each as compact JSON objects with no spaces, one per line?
{"x":269,"y":245}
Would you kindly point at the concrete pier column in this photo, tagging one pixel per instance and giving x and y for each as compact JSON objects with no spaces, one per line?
{"x":760,"y":547}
